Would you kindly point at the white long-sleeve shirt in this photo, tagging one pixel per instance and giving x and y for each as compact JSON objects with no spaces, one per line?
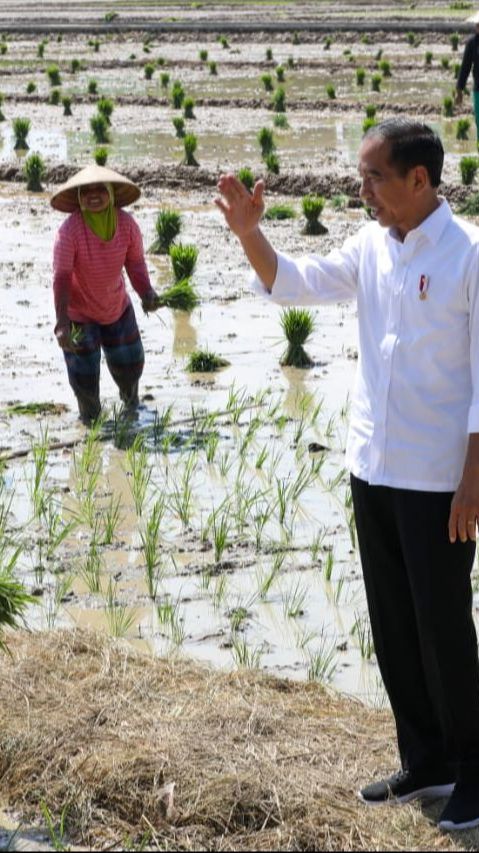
{"x":416,"y":395}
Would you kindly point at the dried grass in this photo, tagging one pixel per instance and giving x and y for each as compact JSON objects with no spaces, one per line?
{"x":258,"y":763}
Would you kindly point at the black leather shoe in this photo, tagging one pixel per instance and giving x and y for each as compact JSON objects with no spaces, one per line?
{"x":405,"y":786}
{"x":462,"y":810}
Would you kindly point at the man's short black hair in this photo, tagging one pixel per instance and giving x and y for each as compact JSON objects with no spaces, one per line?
{"x":412,"y":144}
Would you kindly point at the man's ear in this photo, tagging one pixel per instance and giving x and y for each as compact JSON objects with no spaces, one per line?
{"x":420,"y":178}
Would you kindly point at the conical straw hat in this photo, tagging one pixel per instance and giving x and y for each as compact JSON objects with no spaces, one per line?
{"x":66,"y":196}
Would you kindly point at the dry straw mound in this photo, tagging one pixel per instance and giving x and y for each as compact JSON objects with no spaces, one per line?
{"x":258,"y":763}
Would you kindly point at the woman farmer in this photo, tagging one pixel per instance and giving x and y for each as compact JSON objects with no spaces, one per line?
{"x":93,"y":308}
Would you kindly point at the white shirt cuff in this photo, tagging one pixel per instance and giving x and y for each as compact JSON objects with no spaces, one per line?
{"x":473,"y":419}
{"x":284,"y":289}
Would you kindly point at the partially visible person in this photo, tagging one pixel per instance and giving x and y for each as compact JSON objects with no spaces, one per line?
{"x":470,"y":60}
{"x":93,"y":309}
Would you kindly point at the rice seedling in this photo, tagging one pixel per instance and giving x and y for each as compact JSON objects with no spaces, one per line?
{"x":329,"y":564}
{"x":223,"y":42}
{"x":470,"y":207}
{"x":312,"y":207}
{"x":368,"y":123}
{"x":456,"y":69}
{"x":385,"y":68}
{"x":360,"y":76}
{"x":220,"y":527}
{"x":266,"y":141}
{"x":105,"y":107}
{"x":269,"y":54}
{"x":41,"y":49}
{"x":272,"y":163}
{"x":213,"y":67}
{"x":190,"y":143}
{"x":261,"y":458}
{"x":141,"y":471}
{"x":245,"y":175}
{"x":99,"y":126}
{"x":183,"y":260}
{"x":39,"y":453}
{"x":428,"y":57}
{"x":164,"y":79}
{"x":411,"y":38}
{"x":168,"y":226}
{"x":181,"y":296}
{"x":204,"y":361}
{"x":21,"y":128}
{"x":445,"y":63}
{"x":296,"y":39}
{"x":293,"y":600}
{"x":468,"y":167}
{"x":34,"y":171}
{"x":150,"y":543}
{"x":100,"y":155}
{"x":361,"y":630}
{"x":31,"y":87}
{"x":211,"y":446}
{"x":462,"y":128}
{"x":67,"y":105}
{"x":322,"y":662}
{"x":179,"y":125}
{"x":110,"y":16}
{"x":331,"y":91}
{"x":55,"y":97}
{"x":267,"y":81}
{"x":370,"y":110}
{"x":57,"y":530}
{"x":92,"y":568}
{"x":110,"y":517}
{"x":280,"y":211}
{"x":448,"y":106}
{"x":120,"y":618}
{"x":327,"y":43}
{"x":280,"y":121}
{"x":278,"y":101}
{"x":376,"y":82}
{"x":161,"y":61}
{"x":244,"y":656}
{"x":203,"y":54}
{"x":266,"y":580}
{"x":92,"y":87}
{"x":149,"y":70}
{"x":177,"y":95}
{"x":53,"y":74}
{"x":219,"y":591}
{"x":279,"y":70}
{"x":14,"y":601}
{"x":96,"y":44}
{"x":181,"y":498}
{"x":56,"y":598}
{"x":188,"y":107}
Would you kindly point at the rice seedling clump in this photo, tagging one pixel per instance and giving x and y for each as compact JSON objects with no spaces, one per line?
{"x":34,"y":171}
{"x":297,"y":324}
{"x":280,"y":211}
{"x":168,"y":226}
{"x":313,"y":206}
{"x":181,"y":296}
{"x":203,"y":361}
{"x":183,"y":258}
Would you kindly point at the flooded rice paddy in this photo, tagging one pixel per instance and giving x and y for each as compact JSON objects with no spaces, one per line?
{"x":218,"y":524}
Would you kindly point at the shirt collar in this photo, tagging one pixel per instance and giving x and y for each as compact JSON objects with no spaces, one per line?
{"x":432,"y":227}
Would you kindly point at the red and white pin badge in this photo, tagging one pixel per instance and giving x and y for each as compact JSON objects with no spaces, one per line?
{"x":423,"y":286}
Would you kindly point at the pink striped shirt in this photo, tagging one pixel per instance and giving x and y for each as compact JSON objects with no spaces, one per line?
{"x":88,"y":281}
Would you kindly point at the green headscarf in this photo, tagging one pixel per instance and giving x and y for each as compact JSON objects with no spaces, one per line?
{"x":103,"y":223}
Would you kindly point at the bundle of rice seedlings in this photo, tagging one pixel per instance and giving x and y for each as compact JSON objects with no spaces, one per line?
{"x":448,"y":106}
{"x":280,"y":73}
{"x":179,"y":125}
{"x":267,"y":82}
{"x":181,"y":296}
{"x":161,"y":61}
{"x":164,"y":79}
{"x":168,"y":226}
{"x":428,"y":56}
{"x":149,"y":70}
{"x":331,"y":91}
{"x":470,"y":207}
{"x":245,"y":175}
{"x":297,"y":324}
{"x":41,"y":49}
{"x":75,"y":65}
{"x":272,"y":162}
{"x":360,"y":76}
{"x":385,"y":68}
{"x":99,"y":126}
{"x":177,"y":95}
{"x":188,"y":106}
{"x":2,"y":117}
{"x":203,"y":54}
{"x":34,"y":171}
{"x":280,"y":212}
{"x":213,"y":66}
{"x":313,"y":206}
{"x":269,"y":54}
{"x":31,"y":87}
{"x":14,"y":601}
{"x":92,"y":87}
{"x":105,"y":107}
{"x":190,"y":143}
{"x":445,"y":63}
{"x":183,"y":258}
{"x":67,"y":105}
{"x":281,"y":121}
{"x":454,"y":39}
{"x":376,"y":82}
{"x":203,"y":361}
{"x":266,"y":141}
{"x":55,"y":97}
{"x":279,"y":100}
{"x":224,"y":42}
{"x":100,"y":155}
{"x":21,"y":127}
{"x":327,"y":42}
{"x":371,"y":110}
{"x":462,"y":128}
{"x":53,"y":74}
{"x":468,"y":167}
{"x":368,"y":123}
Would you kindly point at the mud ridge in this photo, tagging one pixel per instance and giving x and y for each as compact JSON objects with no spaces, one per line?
{"x":190,"y":178}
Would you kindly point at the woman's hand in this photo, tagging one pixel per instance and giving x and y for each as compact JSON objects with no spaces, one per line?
{"x":150,"y":302}
{"x":64,"y":338}
{"x":241,"y":209}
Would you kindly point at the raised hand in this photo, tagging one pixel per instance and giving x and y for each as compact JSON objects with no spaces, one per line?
{"x":241,"y":209}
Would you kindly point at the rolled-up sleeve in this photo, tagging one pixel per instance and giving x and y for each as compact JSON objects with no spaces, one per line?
{"x":135,"y":263}
{"x":315,"y":279}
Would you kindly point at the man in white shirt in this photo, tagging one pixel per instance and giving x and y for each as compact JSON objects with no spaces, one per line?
{"x":413,"y":444}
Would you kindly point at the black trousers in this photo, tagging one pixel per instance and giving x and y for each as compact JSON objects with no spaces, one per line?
{"x":419,"y":596}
